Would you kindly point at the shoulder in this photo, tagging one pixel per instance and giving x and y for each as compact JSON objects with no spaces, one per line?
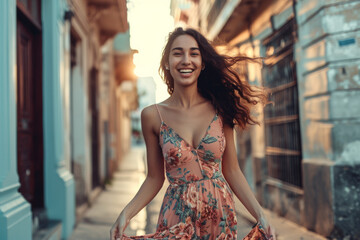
{"x":149,"y":112}
{"x":150,"y":118}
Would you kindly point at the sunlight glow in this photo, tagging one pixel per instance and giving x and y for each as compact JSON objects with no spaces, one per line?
{"x":150,"y":23}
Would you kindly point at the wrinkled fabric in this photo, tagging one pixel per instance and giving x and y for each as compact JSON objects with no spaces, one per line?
{"x":256,"y":233}
{"x":198,"y":203}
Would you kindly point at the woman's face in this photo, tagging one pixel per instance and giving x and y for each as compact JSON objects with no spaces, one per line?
{"x":185,"y":61}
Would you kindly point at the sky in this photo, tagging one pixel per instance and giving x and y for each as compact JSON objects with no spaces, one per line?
{"x":150,"y":23}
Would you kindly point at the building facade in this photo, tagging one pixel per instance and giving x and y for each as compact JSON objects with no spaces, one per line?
{"x":59,"y":111}
{"x":303,"y":158}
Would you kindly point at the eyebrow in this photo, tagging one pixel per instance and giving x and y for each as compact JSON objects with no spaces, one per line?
{"x":179,"y":48}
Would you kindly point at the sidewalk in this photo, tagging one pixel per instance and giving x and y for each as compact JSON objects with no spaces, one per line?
{"x":127,"y":180}
{"x":285,"y":229}
{"x":98,"y":220}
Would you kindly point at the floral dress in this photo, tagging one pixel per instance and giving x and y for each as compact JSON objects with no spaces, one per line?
{"x":198,"y":203}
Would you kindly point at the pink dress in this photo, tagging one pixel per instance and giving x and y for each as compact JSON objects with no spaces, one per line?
{"x":198,"y":203}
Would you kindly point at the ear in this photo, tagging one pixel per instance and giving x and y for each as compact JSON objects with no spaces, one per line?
{"x":203,"y":67}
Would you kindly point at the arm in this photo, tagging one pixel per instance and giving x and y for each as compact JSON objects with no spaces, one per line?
{"x":238,"y":183}
{"x":155,"y":174}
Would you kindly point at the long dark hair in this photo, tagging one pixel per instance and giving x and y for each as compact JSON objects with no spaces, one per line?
{"x":231,"y":96}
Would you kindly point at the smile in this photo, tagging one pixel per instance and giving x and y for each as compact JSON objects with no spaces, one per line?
{"x":186,"y":70}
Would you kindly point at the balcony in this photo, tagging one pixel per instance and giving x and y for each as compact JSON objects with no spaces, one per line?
{"x":110,"y":16}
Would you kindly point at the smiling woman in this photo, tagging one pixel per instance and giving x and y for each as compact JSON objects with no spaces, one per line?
{"x":199,"y":159}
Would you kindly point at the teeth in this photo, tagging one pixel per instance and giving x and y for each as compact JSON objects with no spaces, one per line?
{"x":186,"y":70}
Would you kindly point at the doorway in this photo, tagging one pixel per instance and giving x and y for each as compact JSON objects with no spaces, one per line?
{"x":95,"y":143}
{"x":29,"y":102}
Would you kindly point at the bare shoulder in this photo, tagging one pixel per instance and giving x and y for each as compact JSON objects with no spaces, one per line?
{"x":150,"y":118}
{"x":149,"y":112}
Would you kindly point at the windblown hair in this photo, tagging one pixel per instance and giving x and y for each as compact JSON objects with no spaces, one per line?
{"x":231,"y":96}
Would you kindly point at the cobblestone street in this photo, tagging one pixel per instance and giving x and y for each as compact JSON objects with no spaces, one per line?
{"x":97,"y":221}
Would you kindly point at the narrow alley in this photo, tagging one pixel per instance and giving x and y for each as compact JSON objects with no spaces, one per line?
{"x":76,"y":75}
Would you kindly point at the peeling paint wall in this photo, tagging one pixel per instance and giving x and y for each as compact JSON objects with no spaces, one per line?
{"x":328,"y":73}
{"x":328,"y":60}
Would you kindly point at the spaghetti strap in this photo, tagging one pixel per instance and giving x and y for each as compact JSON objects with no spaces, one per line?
{"x":157,"y":108}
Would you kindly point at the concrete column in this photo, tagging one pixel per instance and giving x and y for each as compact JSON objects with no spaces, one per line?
{"x":15,"y":212}
{"x":59,"y":182}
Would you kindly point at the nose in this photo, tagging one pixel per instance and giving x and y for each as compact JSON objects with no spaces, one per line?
{"x":186,"y":59}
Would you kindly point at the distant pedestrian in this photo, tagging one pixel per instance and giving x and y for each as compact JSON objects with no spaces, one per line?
{"x":189,"y":136}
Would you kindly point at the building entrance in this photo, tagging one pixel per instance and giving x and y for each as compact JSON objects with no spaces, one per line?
{"x":29,"y":103}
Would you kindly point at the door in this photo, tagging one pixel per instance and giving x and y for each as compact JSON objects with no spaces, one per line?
{"x":29,"y":111}
{"x":95,"y":143}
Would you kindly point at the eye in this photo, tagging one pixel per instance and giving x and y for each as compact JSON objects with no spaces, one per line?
{"x":177,"y":53}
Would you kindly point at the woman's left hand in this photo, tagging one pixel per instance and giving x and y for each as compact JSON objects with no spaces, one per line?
{"x":269,"y":230}
{"x":119,"y":226}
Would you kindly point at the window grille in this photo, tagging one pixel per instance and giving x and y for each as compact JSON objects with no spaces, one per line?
{"x":282,"y":128}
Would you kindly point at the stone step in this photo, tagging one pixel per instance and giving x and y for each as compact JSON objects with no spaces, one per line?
{"x":49,"y":230}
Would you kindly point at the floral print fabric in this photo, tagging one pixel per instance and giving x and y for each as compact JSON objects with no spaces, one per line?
{"x":256,"y":233}
{"x":198,"y":203}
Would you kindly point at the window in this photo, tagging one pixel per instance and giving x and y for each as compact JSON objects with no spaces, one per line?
{"x":282,"y":128}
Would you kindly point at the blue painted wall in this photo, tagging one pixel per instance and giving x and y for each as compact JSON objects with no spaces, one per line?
{"x":15,"y":212}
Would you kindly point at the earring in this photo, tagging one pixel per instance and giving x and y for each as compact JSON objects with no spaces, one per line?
{"x":166,"y":67}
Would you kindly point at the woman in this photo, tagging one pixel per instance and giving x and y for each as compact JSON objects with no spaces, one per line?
{"x":190,"y":137}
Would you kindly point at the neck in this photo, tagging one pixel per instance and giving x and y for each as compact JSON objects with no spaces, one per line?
{"x":186,"y":97}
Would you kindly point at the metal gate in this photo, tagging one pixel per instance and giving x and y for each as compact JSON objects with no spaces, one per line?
{"x":282,"y":129}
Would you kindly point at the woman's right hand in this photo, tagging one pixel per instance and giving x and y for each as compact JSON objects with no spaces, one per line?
{"x":119,"y":227}
{"x":269,"y":230}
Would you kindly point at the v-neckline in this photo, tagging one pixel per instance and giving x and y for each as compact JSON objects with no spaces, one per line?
{"x":201,"y":140}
